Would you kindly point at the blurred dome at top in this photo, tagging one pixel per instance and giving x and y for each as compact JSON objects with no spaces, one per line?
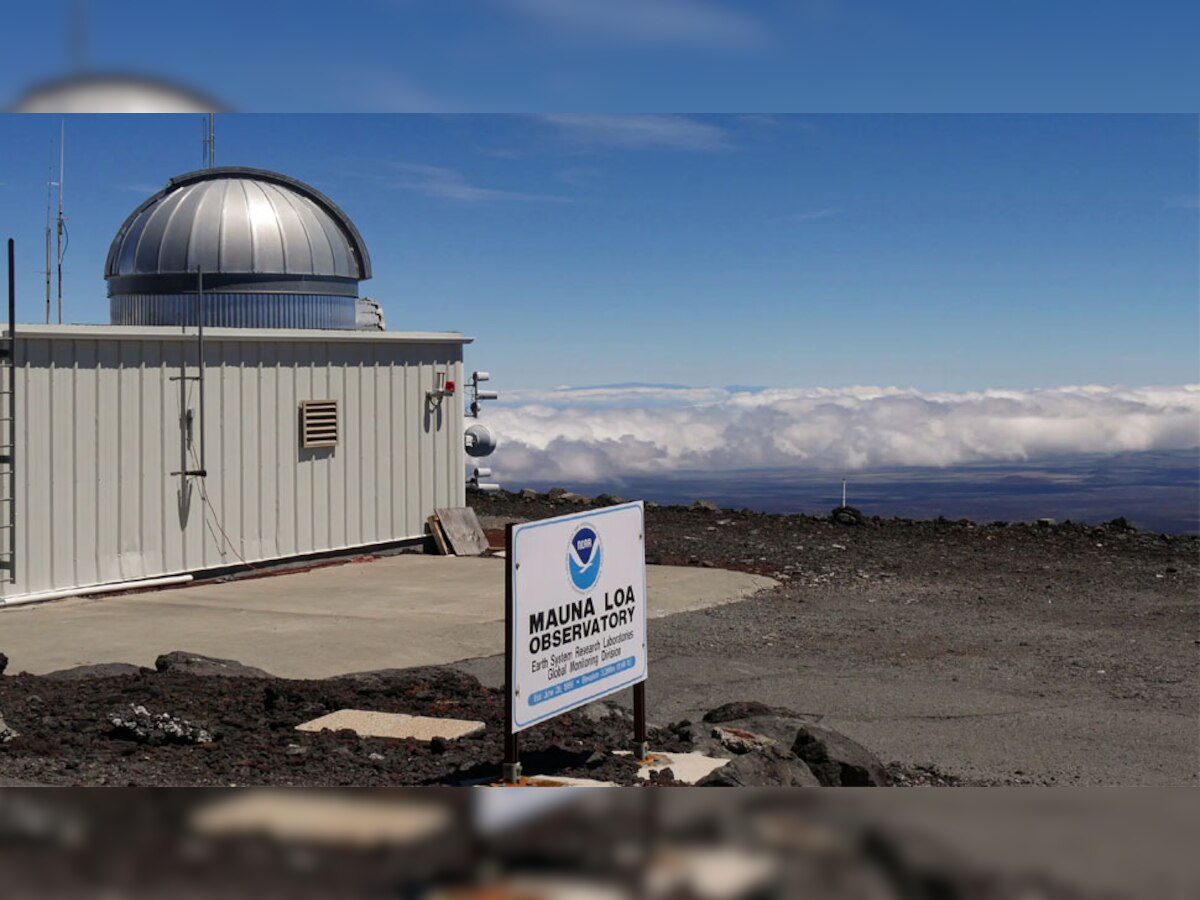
{"x":112,"y":93}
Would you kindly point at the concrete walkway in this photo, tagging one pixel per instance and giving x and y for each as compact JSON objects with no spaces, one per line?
{"x":392,"y":612}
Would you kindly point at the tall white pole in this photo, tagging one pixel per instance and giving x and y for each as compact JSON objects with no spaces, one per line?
{"x":49,"y":185}
{"x":62,"y":165}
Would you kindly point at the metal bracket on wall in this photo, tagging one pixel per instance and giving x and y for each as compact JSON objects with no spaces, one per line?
{"x":434,"y":398}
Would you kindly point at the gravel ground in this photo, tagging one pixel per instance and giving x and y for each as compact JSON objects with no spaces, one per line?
{"x":958,"y":653}
{"x":245,"y":731}
{"x":981,"y":654}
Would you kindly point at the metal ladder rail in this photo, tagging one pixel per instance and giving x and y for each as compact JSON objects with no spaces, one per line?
{"x":8,"y":431}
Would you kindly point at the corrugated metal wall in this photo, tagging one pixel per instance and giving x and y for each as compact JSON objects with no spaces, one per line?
{"x":236,"y":310}
{"x":102,"y":428}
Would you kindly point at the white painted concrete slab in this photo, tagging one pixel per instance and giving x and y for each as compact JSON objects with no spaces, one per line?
{"x":711,"y":873}
{"x":686,"y":767}
{"x":564,"y":781}
{"x":320,"y":817}
{"x":535,"y":887}
{"x":394,"y":612}
{"x":401,"y":726}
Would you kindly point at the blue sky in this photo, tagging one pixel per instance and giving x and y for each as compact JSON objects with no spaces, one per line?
{"x":942,"y":253}
{"x":634,"y":55}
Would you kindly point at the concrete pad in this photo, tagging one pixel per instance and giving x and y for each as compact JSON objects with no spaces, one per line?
{"x":550,"y":887}
{"x":715,"y":873}
{"x":320,"y":817}
{"x":392,"y":612}
{"x":565,"y":781}
{"x":394,"y":725}
{"x":686,"y":767}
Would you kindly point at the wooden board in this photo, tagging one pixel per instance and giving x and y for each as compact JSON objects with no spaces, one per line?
{"x":439,"y":540}
{"x":463,"y":531}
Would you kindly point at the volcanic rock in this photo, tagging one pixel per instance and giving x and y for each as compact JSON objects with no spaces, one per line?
{"x":847,"y":515}
{"x":137,"y":723}
{"x":705,"y":504}
{"x":769,"y":766}
{"x":3,"y":663}
{"x":743,"y":709}
{"x":7,"y":733}
{"x":738,"y":740}
{"x":98,"y":670}
{"x":183,"y":663}
{"x":837,"y":761}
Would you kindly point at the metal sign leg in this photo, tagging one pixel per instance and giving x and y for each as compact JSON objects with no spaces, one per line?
{"x":641,"y":747}
{"x":512,"y":748}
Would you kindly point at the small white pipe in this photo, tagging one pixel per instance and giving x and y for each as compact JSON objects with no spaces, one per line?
{"x":94,"y":589}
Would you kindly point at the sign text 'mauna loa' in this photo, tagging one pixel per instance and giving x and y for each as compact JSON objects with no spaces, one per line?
{"x":578,"y":610}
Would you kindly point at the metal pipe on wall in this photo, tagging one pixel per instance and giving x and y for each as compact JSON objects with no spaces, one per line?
{"x":200,"y":365}
{"x":94,"y":589}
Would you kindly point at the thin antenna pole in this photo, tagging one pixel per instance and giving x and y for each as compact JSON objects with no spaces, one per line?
{"x":210,"y":141}
{"x":843,"y":492}
{"x":49,"y":186}
{"x":62,"y":166}
{"x":200,"y":363}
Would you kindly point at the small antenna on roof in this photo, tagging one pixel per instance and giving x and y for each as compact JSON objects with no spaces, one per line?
{"x":49,"y":197}
{"x":843,"y":492}
{"x":62,"y":166}
{"x":210,"y":141}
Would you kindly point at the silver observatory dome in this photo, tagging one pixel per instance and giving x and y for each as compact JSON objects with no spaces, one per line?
{"x":273,"y":253}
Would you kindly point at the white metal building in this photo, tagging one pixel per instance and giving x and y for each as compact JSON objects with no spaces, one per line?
{"x":132,"y":460}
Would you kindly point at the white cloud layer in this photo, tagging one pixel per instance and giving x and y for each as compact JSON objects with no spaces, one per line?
{"x":589,"y":434}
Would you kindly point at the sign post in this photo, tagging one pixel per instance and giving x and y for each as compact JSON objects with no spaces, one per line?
{"x":512,"y":750}
{"x":575,"y":619}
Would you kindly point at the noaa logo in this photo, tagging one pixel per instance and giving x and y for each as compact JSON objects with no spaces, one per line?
{"x":583,"y":558}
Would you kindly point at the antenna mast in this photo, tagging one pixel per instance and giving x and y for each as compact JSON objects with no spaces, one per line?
{"x":210,"y":141}
{"x":49,"y":187}
{"x":62,"y":164}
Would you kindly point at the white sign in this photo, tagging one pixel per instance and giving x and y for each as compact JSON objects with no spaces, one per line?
{"x":578,"y":610}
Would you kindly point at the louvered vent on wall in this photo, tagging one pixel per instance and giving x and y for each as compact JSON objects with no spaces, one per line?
{"x":318,"y":423}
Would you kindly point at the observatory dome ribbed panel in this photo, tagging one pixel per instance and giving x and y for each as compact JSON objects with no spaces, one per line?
{"x":249,"y":232}
{"x":238,"y":221}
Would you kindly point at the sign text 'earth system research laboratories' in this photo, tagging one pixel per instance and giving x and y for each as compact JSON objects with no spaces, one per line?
{"x":578,"y":616}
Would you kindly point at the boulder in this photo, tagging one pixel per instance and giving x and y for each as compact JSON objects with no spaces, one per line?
{"x":601,"y":710}
{"x":528,"y":494}
{"x":738,"y":740}
{"x":770,"y":766}
{"x":847,"y":515}
{"x":7,"y":733}
{"x":705,"y":505}
{"x":836,"y":760}
{"x":180,"y":662}
{"x":743,"y":709}
{"x":98,"y":670}
{"x":136,"y":723}
{"x":781,"y":727}
{"x":436,"y":680}
{"x":555,"y":492}
{"x":572,"y":497}
{"x":3,"y":663}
